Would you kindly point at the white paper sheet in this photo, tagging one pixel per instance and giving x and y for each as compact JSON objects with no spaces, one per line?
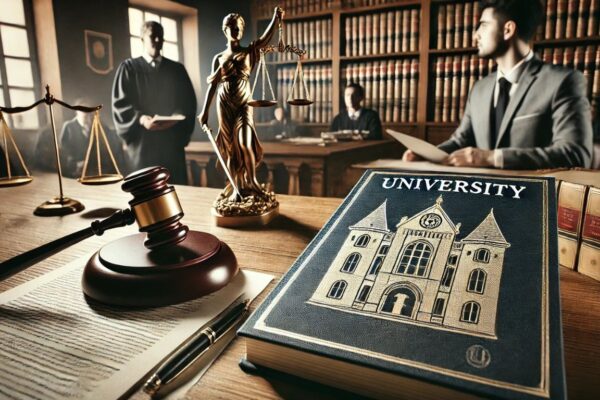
{"x":54,"y":345}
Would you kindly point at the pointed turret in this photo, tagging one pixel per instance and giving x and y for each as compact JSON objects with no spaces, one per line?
{"x":488,"y":231}
{"x":376,"y":221}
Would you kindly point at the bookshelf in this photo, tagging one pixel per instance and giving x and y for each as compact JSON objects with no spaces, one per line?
{"x":417,"y":60}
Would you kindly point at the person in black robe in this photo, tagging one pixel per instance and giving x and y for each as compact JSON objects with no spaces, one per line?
{"x":355,"y":117}
{"x":153,"y":85}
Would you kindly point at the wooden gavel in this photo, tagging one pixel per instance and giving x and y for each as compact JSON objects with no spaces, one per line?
{"x":124,"y":272}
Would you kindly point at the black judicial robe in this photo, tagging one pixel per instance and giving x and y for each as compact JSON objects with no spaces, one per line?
{"x":140,"y":89}
{"x":367,"y":121}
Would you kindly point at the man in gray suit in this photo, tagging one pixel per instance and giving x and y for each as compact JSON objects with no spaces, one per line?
{"x":527,"y":115}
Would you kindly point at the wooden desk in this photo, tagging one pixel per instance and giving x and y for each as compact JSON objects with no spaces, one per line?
{"x":327,"y":164}
{"x":301,"y":218}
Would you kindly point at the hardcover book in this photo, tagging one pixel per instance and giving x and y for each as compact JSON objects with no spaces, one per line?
{"x":424,"y":286}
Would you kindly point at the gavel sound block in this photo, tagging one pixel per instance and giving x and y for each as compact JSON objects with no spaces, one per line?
{"x":164,"y":264}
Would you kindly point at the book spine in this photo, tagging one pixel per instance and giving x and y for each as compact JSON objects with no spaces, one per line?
{"x":389,"y":37}
{"x":439,"y":89}
{"x":382,"y":84}
{"x":397,"y":31}
{"x":318,"y":39}
{"x":375,"y":36}
{"x":456,"y":75}
{"x":447,"y":89}
{"x":312,"y":40}
{"x":441,"y":21}
{"x":464,"y":84}
{"x":588,"y":67}
{"x":375,"y":88}
{"x":458,"y":25}
{"x":550,"y":19}
{"x":414,"y":82}
{"x":449,"y":26}
{"x":354,"y":36}
{"x":568,"y":57}
{"x":414,"y":30}
{"x":571,"y":198}
{"x":369,"y":34}
{"x":572,"y":8}
{"x":382,"y":32}
{"x":389,"y":92}
{"x":582,"y":21}
{"x":593,"y":20}
{"x":468,"y":25}
{"x":561,"y":18}
{"x":405,"y":90}
{"x":369,"y":85}
{"x":589,"y":251}
{"x":397,"y":90}
{"x":596,"y":84}
{"x":405,"y":30}
{"x":579,"y":61}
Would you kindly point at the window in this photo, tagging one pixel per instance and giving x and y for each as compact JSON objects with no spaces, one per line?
{"x":383,"y":250}
{"x":401,"y":301}
{"x":482,"y":255}
{"x":414,"y":259}
{"x":362,"y":241}
{"x":364,"y":293}
{"x":351,"y":263}
{"x":453,"y":259}
{"x":477,"y":281}
{"x":376,"y":265}
{"x":447,"y":277}
{"x":19,"y":82}
{"x":337,"y":290}
{"x":172,"y":26}
{"x":470,"y":312}
{"x":438,"y":307}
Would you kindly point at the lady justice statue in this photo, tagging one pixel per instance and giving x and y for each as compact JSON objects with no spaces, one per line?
{"x":244,"y":200}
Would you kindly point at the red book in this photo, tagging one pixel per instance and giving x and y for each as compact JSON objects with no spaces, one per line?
{"x":589,"y":252}
{"x":571,"y":198}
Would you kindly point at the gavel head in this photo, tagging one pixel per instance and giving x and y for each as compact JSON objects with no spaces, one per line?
{"x":156,"y":207}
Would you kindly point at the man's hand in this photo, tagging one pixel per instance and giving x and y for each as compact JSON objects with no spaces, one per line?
{"x":410,"y":156}
{"x":471,"y":157}
{"x":150,"y":124}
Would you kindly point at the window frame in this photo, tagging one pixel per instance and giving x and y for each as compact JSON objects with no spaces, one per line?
{"x":35,"y":71}
{"x":356,"y":257}
{"x":359,"y":243}
{"x":487,"y":255}
{"x":400,"y":264}
{"x":342,"y":287}
{"x":472,"y":313}
{"x":477,"y":281}
{"x":178,"y":19}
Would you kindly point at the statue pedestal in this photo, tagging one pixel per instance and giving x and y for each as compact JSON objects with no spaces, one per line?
{"x":235,"y":221}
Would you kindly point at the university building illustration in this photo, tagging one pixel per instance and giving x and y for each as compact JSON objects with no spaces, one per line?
{"x":421,"y":273}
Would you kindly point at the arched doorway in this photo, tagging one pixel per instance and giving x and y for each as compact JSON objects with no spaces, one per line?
{"x":402,"y":301}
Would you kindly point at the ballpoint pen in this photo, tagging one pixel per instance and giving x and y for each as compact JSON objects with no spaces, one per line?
{"x":196,"y":346}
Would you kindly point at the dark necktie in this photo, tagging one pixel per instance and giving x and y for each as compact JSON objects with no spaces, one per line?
{"x":503,"y":97}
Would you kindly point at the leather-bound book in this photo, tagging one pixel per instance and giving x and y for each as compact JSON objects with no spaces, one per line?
{"x":464,"y":84}
{"x":449,"y":26}
{"x":389,"y":37}
{"x":397,"y":31}
{"x":414,"y":30}
{"x":405,"y":46}
{"x":369,"y":34}
{"x":571,"y":200}
{"x":375,"y":35}
{"x":383,"y":81}
{"x":593,"y":19}
{"x":423,"y":286}
{"x":439,"y":89}
{"x":476,"y":16}
{"x":458,"y":25}
{"x":413,"y":90}
{"x":455,"y":99}
{"x":572,"y":9}
{"x":441,"y":28}
{"x":550,"y":28}
{"x":354,"y":36}
{"x":569,"y":57}
{"x":447,"y":89}
{"x":467,"y":25}
{"x":589,"y":252}
{"x":582,"y":20}
{"x":383,"y":32}
{"x":397,"y":90}
{"x":318,"y":40}
{"x":596,"y":83}
{"x":588,"y":67}
{"x":389,"y":92}
{"x":405,"y":90}
{"x":561,"y":18}
{"x":558,"y":56}
{"x":547,"y":55}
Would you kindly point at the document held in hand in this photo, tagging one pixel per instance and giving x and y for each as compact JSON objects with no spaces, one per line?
{"x":419,"y":147}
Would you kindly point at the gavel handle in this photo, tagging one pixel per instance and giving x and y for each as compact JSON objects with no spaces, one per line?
{"x":22,"y":261}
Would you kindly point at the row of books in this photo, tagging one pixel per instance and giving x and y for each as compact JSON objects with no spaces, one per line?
{"x":382,"y":33}
{"x":264,"y":8}
{"x":319,"y":85}
{"x":584,"y":58}
{"x":313,"y":36}
{"x":365,"y":3}
{"x":579,"y":221}
{"x":454,"y":77}
{"x":571,"y":18}
{"x":456,"y":25}
{"x":391,"y":87}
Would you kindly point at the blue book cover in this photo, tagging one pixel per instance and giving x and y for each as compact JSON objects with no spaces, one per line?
{"x":448,"y":279}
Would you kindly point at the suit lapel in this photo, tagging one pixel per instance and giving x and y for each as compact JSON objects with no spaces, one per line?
{"x":527,"y":78}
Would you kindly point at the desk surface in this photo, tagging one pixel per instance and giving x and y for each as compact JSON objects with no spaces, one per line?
{"x":301,"y":219}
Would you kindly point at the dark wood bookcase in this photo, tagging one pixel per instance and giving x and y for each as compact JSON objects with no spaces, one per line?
{"x":427,"y":52}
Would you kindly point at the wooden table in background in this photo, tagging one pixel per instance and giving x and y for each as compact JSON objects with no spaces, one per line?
{"x":327,"y":164}
{"x":260,"y":250}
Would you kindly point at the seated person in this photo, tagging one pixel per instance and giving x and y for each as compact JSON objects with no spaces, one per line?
{"x":528,"y":114}
{"x":281,"y":127}
{"x":355,"y":117}
{"x":74,"y":142}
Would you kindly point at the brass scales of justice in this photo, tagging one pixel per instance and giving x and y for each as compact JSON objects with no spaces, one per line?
{"x":60,"y":205}
{"x":299,"y":95}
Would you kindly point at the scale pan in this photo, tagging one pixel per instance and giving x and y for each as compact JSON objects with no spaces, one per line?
{"x":262,"y":103}
{"x":104,"y":179}
{"x":300,"y":102}
{"x":15,"y":181}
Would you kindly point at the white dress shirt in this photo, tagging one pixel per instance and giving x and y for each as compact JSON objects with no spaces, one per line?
{"x":154,"y":62}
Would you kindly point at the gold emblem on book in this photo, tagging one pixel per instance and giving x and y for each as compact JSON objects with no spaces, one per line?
{"x":421,"y":273}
